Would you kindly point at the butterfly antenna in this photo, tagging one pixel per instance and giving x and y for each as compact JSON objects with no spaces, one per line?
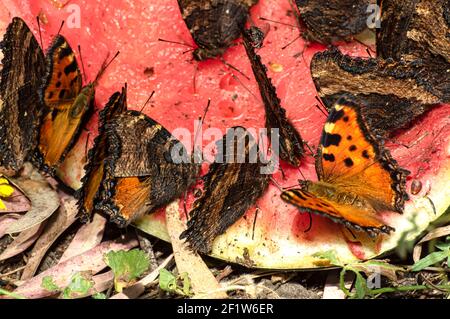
{"x":82,"y":63}
{"x":194,"y":79}
{"x":234,"y":68}
{"x":322,"y":105}
{"x":104,"y":66}
{"x":146,"y":102}
{"x":176,"y":42}
{"x":40,"y":34}
{"x":280,"y":188}
{"x":245,"y":87}
{"x":321,"y":110}
{"x":303,"y":176}
{"x":368,"y":52}
{"x":287,"y":45}
{"x":187,"y":51}
{"x":254,"y":222}
{"x":278,"y":22}
{"x":197,"y":132}
{"x":60,"y":27}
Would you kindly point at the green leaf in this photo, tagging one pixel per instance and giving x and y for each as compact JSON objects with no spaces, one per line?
{"x":431,"y":259}
{"x":330,"y":255}
{"x":167,"y":281}
{"x":127,"y":266}
{"x":79,"y":285}
{"x":442,"y":246}
{"x":360,"y":286}
{"x":48,"y":284}
{"x":186,"y":284}
{"x":99,"y":295}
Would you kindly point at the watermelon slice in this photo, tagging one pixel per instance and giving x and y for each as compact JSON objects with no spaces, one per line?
{"x":271,"y":235}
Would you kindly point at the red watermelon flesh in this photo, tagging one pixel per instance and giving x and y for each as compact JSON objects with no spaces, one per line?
{"x":146,"y":64}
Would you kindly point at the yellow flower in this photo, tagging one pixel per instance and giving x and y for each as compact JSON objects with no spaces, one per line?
{"x":5,"y":191}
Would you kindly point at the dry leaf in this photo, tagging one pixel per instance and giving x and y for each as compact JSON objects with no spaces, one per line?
{"x":56,"y":225}
{"x":44,"y":202}
{"x":23,"y":241}
{"x":202,"y":280}
{"x":87,"y":237}
{"x":16,"y":203}
{"x":5,"y":221}
{"x":91,"y":261}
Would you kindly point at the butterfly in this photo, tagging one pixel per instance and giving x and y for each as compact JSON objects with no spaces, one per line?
{"x":418,"y":31}
{"x":394,"y":93}
{"x":234,"y":182}
{"x":290,"y":141}
{"x":20,"y":106}
{"x":68,"y":104}
{"x":95,"y":168}
{"x":214,"y":24}
{"x":330,"y":21}
{"x":135,"y":166}
{"x":358,"y":178}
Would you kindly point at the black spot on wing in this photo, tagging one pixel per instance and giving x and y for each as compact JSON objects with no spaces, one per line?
{"x":330,"y":139}
{"x":62,"y":93}
{"x":335,"y":116}
{"x":349,"y":137}
{"x":345,"y":118}
{"x":329,"y":157}
{"x":348,"y":162}
{"x":64,"y":52}
{"x":72,"y":67}
{"x":365,"y":154}
{"x":352,"y":148}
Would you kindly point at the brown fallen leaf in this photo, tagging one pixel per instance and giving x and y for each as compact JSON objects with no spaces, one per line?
{"x":44,"y":202}
{"x":23,"y":241}
{"x":202,"y":280}
{"x":87,"y":237}
{"x":5,"y":221}
{"x":16,"y":203}
{"x":56,"y":225}
{"x":91,"y":261}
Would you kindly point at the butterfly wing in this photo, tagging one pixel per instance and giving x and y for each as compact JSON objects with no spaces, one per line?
{"x":353,"y":160}
{"x":214,"y":25}
{"x":290,"y":142}
{"x":63,"y":80}
{"x":67,"y":104}
{"x":349,"y":216}
{"x":91,"y":182}
{"x":20,"y":108}
{"x":231,"y":187}
{"x":141,"y":171}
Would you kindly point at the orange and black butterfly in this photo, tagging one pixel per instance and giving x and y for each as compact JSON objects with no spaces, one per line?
{"x":67,"y":104}
{"x":234,"y":182}
{"x":394,"y":92}
{"x":20,"y":106}
{"x":135,"y":167}
{"x":358,"y":178}
{"x":290,"y":141}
